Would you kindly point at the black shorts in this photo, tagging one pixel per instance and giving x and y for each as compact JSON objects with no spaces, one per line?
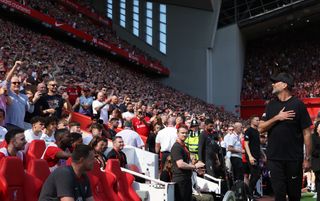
{"x":246,"y":169}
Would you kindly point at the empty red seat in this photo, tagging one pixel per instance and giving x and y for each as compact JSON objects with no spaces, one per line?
{"x":35,"y":150}
{"x":124,"y":180}
{"x":11,"y":179}
{"x":100,"y":185}
{"x":38,"y":170}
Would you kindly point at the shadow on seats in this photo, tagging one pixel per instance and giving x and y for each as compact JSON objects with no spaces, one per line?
{"x":103,"y":185}
{"x":15,"y":184}
{"x":125,"y":180}
{"x":35,"y":150}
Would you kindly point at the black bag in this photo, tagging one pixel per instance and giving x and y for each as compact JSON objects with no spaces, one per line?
{"x":240,"y":190}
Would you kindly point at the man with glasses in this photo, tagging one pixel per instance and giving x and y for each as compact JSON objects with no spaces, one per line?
{"x":52,"y":103}
{"x":4,"y":98}
{"x":19,"y":103}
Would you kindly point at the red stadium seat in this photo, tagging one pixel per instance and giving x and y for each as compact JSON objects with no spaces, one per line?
{"x":38,"y":170}
{"x":125,"y":180}
{"x":134,"y":168}
{"x":102,"y":188}
{"x":84,"y":120}
{"x":35,"y":150}
{"x":12,"y":179}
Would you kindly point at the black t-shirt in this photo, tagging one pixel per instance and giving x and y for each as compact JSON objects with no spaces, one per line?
{"x":63,"y":183}
{"x":113,"y":154}
{"x":285,"y":138}
{"x":202,"y":146}
{"x":165,"y":176}
{"x":52,"y":102}
{"x":179,"y":152}
{"x":151,"y":141}
{"x":252,"y":136}
{"x":212,"y":148}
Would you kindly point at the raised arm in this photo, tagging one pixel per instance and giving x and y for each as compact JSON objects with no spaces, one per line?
{"x":13,"y":69}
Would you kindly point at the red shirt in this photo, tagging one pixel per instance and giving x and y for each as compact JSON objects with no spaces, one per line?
{"x":50,"y":155}
{"x":73,"y":93}
{"x":140,"y":127}
{"x":244,"y":158}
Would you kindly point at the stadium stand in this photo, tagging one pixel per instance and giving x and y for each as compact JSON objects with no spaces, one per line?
{"x":293,"y":50}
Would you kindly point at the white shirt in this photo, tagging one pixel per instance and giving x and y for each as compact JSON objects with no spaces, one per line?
{"x":103,"y":111}
{"x":3,"y":132}
{"x":29,"y":135}
{"x":227,"y":142}
{"x":86,"y":139}
{"x":6,"y":154}
{"x":166,"y":138}
{"x":234,"y":140}
{"x":127,"y":115}
{"x":131,"y":138}
{"x":46,"y":138}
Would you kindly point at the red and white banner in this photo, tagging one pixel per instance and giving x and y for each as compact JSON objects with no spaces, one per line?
{"x":140,"y":59}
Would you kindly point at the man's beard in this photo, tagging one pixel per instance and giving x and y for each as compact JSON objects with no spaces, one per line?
{"x":275,"y":91}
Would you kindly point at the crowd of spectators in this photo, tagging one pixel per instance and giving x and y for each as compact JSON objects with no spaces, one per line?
{"x":295,"y":51}
{"x":81,"y":22}
{"x":73,"y":68}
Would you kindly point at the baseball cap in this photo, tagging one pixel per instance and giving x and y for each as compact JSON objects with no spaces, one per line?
{"x":283,"y":77}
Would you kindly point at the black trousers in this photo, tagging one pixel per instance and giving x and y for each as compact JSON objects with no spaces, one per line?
{"x":286,"y":179}
{"x":255,"y":173}
{"x":183,"y":190}
{"x":164,"y":156}
{"x":317,"y":182}
{"x":237,"y":168}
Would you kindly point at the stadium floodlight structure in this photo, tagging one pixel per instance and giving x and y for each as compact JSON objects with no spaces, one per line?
{"x":238,"y":11}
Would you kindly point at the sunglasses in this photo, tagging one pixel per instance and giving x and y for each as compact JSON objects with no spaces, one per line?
{"x":53,"y":85}
{"x":15,"y":83}
{"x":2,"y":72}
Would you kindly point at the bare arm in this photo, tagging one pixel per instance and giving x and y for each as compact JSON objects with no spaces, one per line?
{"x":157,"y":148}
{"x":283,"y":115}
{"x":308,"y":147}
{"x":251,"y":158}
{"x":76,"y":104}
{"x":13,"y":69}
{"x":67,"y":105}
{"x":185,"y":166}
{"x":67,"y":199}
{"x":63,"y":155}
{"x":234,"y":150}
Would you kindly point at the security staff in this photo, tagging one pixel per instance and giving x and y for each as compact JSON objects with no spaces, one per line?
{"x":182,"y":168}
{"x":192,"y":142}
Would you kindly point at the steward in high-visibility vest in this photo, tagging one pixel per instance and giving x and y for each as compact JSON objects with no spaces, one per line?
{"x":192,"y":142}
